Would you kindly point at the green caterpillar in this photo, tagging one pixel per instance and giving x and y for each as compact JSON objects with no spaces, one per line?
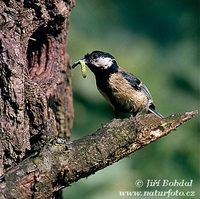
{"x":83,"y":68}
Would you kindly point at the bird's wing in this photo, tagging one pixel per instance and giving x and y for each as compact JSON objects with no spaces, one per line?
{"x":146,"y":91}
{"x":136,"y":83}
{"x":133,"y":81}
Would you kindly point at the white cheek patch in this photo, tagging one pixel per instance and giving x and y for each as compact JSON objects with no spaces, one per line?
{"x":104,"y":62}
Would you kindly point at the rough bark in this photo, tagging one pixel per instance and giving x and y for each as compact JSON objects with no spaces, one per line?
{"x":60,"y":164}
{"x":35,"y":99}
{"x":36,"y":111}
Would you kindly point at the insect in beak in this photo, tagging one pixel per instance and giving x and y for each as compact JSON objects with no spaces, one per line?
{"x":83,"y":67}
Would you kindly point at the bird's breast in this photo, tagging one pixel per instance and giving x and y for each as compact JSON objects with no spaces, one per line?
{"x":126,"y":96}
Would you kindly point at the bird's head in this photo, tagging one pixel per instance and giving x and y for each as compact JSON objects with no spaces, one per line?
{"x":98,"y":62}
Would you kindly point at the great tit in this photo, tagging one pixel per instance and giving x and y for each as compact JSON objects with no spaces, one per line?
{"x":125,"y":92}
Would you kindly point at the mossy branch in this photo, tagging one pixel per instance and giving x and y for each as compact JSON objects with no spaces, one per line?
{"x":60,"y":164}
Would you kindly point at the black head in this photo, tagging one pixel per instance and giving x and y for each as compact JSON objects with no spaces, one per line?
{"x":100,"y":61}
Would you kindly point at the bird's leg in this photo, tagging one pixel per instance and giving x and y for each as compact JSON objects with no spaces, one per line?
{"x":116,"y":114}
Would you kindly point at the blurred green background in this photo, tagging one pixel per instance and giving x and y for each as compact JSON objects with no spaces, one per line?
{"x":158,"y":41}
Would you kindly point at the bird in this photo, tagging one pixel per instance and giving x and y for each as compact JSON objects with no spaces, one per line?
{"x":127,"y":95}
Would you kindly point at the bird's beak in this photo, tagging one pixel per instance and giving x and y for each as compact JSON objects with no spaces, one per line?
{"x":82,"y":62}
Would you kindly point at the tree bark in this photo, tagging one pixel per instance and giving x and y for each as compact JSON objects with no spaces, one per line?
{"x":60,"y":163}
{"x":36,"y":98}
{"x":36,"y":110}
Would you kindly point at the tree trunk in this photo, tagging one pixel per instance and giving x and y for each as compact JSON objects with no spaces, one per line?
{"x":36,"y":98}
{"x":36,"y":157}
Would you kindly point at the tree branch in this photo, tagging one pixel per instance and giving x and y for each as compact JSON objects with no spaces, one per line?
{"x":60,"y":164}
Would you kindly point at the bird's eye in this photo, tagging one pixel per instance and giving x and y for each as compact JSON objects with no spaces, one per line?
{"x":95,"y":56}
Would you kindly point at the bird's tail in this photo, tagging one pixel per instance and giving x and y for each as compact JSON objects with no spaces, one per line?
{"x":152,"y":109}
